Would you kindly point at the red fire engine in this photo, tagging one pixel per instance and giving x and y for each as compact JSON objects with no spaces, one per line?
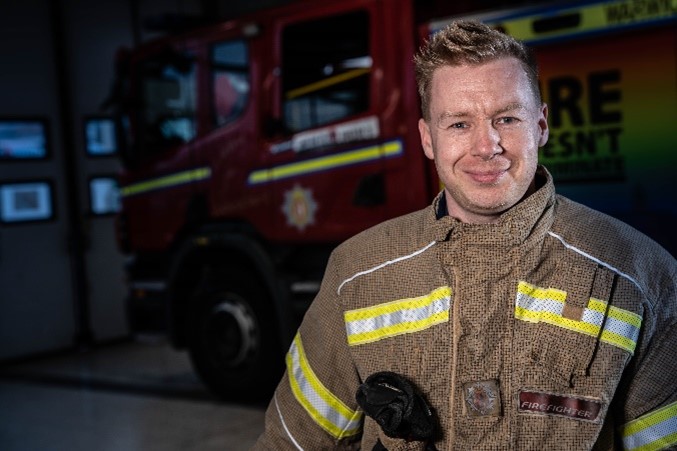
{"x":254,"y":146}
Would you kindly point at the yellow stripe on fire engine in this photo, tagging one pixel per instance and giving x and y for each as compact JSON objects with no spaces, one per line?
{"x":325,"y":408}
{"x":389,"y":149}
{"x":179,"y":178}
{"x":316,"y":86}
{"x":651,"y":432}
{"x":611,"y":324}
{"x":370,"y":324}
{"x":550,"y":23}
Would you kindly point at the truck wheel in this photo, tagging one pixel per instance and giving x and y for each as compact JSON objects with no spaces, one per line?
{"x":233,"y":340}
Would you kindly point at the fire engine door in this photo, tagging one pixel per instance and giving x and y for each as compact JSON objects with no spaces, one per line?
{"x":328,"y":169}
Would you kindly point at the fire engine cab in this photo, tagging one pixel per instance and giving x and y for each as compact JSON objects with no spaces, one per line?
{"x":255,"y":145}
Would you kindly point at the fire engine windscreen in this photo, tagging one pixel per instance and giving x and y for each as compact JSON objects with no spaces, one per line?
{"x":326,"y":70}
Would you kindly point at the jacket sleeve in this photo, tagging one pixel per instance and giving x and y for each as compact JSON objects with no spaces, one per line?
{"x":648,"y":411}
{"x":314,"y":405}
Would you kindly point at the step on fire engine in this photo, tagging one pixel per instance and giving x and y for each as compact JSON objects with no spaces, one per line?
{"x":256,"y":145}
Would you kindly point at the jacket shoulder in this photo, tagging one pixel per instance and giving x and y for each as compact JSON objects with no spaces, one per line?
{"x":613,"y":243}
{"x":382,"y":243}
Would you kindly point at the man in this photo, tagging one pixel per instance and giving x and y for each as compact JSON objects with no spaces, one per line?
{"x":525,"y":320}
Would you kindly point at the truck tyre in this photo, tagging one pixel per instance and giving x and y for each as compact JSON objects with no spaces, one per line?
{"x":233,"y":342}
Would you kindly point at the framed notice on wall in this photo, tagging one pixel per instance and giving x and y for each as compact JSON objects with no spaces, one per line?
{"x":104,"y":196}
{"x":26,"y":201}
{"x":23,"y":139}
{"x":100,"y":137}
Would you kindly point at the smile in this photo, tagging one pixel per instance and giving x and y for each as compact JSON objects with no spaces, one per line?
{"x":486,"y":177}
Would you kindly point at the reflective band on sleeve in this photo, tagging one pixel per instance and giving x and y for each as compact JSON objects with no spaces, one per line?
{"x":651,"y":432}
{"x":399,"y":317}
{"x":621,"y":327}
{"x":324,"y":407}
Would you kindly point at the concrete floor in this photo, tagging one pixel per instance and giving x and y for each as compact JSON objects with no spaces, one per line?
{"x":129,"y":396}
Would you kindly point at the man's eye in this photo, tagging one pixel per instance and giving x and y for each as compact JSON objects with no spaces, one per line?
{"x":458,"y":125}
{"x":508,"y":120}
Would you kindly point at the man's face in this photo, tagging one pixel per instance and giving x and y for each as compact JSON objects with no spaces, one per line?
{"x":484,"y":132}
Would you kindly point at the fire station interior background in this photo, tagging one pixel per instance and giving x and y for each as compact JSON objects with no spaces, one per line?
{"x":71,"y":377}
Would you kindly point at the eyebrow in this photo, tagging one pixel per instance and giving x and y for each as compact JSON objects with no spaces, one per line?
{"x":460,"y":114}
{"x":510,"y":107}
{"x":448,"y":115}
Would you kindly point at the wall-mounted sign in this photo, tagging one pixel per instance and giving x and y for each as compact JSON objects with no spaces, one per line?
{"x":23,"y":139}
{"x":104,"y":196}
{"x":100,"y":136}
{"x":26,"y":201}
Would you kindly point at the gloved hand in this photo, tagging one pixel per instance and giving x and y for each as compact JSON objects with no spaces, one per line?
{"x":393,"y":402}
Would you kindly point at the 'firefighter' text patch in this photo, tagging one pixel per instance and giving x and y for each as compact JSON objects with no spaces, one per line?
{"x":583,"y":409}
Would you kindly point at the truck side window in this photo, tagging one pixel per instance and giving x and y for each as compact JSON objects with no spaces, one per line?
{"x":230,"y":80}
{"x":326,"y":66}
{"x":168,"y":84}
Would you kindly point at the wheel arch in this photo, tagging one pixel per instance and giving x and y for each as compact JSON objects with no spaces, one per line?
{"x":219,"y":250}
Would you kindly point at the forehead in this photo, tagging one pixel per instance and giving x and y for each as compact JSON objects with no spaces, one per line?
{"x":495,"y":82}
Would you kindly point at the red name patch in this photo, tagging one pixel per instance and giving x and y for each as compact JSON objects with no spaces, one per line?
{"x":583,"y":409}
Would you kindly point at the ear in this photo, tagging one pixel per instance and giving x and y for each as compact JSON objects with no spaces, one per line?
{"x":426,"y":138}
{"x":543,"y":125}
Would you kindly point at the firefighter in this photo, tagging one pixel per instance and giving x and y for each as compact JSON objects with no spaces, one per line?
{"x":524,"y":320}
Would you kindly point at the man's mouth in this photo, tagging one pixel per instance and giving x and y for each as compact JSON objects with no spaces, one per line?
{"x":486,"y":177}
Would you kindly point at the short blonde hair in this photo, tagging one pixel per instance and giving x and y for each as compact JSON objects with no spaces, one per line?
{"x":469,"y":42}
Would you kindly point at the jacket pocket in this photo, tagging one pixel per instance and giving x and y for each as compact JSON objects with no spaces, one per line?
{"x":566,"y":330}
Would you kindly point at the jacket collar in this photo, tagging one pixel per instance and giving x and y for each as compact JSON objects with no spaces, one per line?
{"x":535,"y":213}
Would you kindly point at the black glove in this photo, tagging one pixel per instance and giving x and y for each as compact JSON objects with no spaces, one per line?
{"x":393,"y":402}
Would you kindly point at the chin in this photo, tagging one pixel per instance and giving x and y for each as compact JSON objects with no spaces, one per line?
{"x":493,"y":208}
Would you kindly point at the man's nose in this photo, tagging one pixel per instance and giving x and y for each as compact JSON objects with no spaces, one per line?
{"x":487,"y":141}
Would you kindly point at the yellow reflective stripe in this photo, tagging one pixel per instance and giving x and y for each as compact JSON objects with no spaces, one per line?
{"x":336,"y":79}
{"x":370,"y":324}
{"x":371,"y":153}
{"x":327,"y":410}
{"x":606,"y":15}
{"x":541,"y":293}
{"x":621,"y":327}
{"x":597,"y":305}
{"x":625,"y":316}
{"x":556,"y":320}
{"x":393,"y":306}
{"x":527,"y":315}
{"x":397,"y":329}
{"x":653,"y":431}
{"x":166,"y":181}
{"x":576,"y":326}
{"x":617,"y":340}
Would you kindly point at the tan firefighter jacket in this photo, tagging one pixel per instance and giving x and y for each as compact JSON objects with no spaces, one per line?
{"x":552,"y":329}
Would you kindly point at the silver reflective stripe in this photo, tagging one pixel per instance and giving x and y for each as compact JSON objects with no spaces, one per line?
{"x":370,"y":324}
{"x":284,"y":425}
{"x":325,"y":408}
{"x":593,"y":317}
{"x":596,"y":260}
{"x":539,"y":305}
{"x":651,"y":432}
{"x":383,"y":265}
{"x":621,"y":327}
{"x":397,"y":318}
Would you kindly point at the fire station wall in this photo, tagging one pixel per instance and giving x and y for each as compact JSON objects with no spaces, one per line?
{"x":93,"y":31}
{"x":36,"y":293}
{"x":40,"y":306}
{"x":47,"y":302}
